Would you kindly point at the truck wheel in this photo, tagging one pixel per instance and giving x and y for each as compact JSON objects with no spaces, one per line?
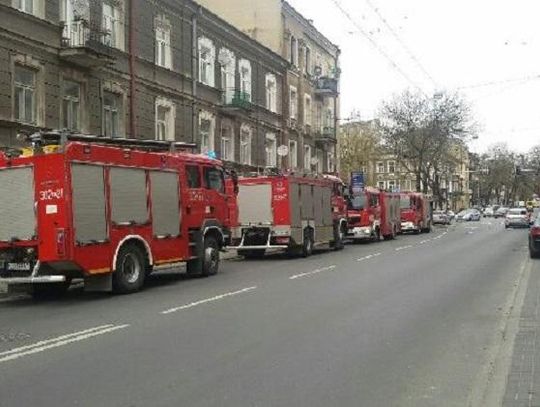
{"x":50,"y":290}
{"x":129,"y":270}
{"x":339,"y":237}
{"x":252,"y":254}
{"x":307,"y":246}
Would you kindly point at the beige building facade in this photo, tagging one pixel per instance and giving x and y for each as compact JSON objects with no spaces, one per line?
{"x":312,"y":106}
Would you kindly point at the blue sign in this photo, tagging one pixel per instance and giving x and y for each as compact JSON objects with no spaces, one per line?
{"x":357,"y":181}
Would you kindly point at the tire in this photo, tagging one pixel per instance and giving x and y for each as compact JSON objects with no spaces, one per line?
{"x":50,"y":290}
{"x":339,"y":238}
{"x":307,"y":245}
{"x":130,"y":270}
{"x":252,"y":254}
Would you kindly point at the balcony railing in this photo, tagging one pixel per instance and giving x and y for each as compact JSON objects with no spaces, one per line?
{"x":326,"y":134}
{"x":85,"y":45}
{"x":327,"y":86}
{"x":237,"y":100}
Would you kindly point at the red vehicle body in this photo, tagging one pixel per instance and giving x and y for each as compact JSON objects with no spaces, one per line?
{"x":373,"y":214}
{"x":290,"y":213}
{"x":416,"y":212}
{"x":109,"y":211}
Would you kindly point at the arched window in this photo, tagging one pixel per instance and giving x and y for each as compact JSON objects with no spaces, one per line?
{"x":227,"y":64}
{"x":244,"y":67}
{"x":271,"y":92}
{"x":207,"y":56}
{"x":245,"y":144}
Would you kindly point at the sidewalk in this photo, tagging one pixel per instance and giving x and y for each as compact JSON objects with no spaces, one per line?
{"x":523,"y":382}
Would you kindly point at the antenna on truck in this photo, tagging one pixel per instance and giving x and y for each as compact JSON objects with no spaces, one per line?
{"x":45,"y":138}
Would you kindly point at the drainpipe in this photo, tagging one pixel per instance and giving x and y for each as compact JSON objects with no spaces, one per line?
{"x":132,"y":121}
{"x":194,"y":67}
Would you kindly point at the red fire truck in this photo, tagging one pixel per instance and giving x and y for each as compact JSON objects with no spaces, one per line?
{"x":373,"y":214}
{"x":109,"y":211}
{"x":289,"y":212}
{"x":416,"y":212}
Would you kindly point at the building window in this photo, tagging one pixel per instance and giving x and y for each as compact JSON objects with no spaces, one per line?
{"x":331,"y":161}
{"x":307,"y":61}
{"x":320,"y":158}
{"x":207,"y":56}
{"x":26,"y":6}
{"x":294,"y":51}
{"x":307,"y":110}
{"x":307,"y":157}
{"x":271,"y":92}
{"x":380,"y":168}
{"x":227,"y":142}
{"x":391,"y":167}
{"x":245,"y":78}
{"x":271,"y":150}
{"x":112,"y":25}
{"x":293,"y":100}
{"x":111,"y":114}
{"x":163,"y":43}
{"x":245,"y":145}
{"x":227,"y":63}
{"x":392,"y":186}
{"x":165,"y":117}
{"x":71,"y":103}
{"x":318,"y":118}
{"x":293,"y":154}
{"x":381,"y":184}
{"x":25,"y":95}
{"x":206,"y":131}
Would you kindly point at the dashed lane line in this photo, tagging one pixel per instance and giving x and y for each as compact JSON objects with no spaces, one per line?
{"x":310,"y":273}
{"x":207,"y":300}
{"x":398,"y":249}
{"x":58,"y":341}
{"x":371,"y":256}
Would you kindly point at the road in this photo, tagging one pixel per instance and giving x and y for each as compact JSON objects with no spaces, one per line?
{"x":411,"y":322}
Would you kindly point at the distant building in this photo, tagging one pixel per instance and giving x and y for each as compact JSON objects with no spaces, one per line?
{"x":312,"y":83}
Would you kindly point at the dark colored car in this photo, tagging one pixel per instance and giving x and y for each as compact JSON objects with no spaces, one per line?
{"x":534,"y":239}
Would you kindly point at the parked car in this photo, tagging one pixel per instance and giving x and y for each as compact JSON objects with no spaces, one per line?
{"x":451,"y":215}
{"x":440,"y":218}
{"x":534,"y":239}
{"x":468,"y":215}
{"x":516,"y":217}
{"x":501,"y":212}
{"x":489,"y":212}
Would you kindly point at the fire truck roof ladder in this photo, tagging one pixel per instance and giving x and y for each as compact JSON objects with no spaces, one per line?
{"x":61,"y":138}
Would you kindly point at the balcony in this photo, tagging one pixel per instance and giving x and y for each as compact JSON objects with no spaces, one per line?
{"x":85,"y":46}
{"x":236,"y":101}
{"x":326,"y":135}
{"x":326,"y":86}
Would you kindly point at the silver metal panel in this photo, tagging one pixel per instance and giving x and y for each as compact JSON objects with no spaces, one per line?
{"x":307,"y":201}
{"x":18,"y":218}
{"x":318,"y":205}
{"x":128,"y":195}
{"x":255,"y":204}
{"x":89,"y":216}
{"x":294,"y":201}
{"x":165,"y":203}
{"x":328,"y":219}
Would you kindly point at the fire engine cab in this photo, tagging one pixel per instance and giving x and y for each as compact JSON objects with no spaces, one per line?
{"x":109,"y":211}
{"x":373,"y":214}
{"x":289,"y":212}
{"x":416,"y":212}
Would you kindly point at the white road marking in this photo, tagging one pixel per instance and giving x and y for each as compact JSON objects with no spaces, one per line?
{"x":207,"y":300}
{"x":369,"y":257}
{"x":57,"y":342}
{"x":310,"y":273}
{"x":425,"y":241}
{"x":398,"y":249}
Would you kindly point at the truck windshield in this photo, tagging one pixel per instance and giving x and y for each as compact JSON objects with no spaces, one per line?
{"x":405,"y":203}
{"x":358,"y":201}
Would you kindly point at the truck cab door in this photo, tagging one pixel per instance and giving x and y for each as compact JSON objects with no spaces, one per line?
{"x":216,"y":199}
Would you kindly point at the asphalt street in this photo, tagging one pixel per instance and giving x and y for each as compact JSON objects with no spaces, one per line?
{"x":410,"y":322}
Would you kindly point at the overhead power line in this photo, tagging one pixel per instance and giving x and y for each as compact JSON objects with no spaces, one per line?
{"x":381,"y":51}
{"x":401,"y":42}
{"x":500,"y":82}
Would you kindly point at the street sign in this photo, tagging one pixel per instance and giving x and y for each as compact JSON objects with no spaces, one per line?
{"x":357,"y":181}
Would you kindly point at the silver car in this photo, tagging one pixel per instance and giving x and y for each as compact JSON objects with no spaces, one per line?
{"x":517,"y":217}
{"x":440,"y":218}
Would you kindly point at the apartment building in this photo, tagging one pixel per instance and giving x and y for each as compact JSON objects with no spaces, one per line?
{"x":161,"y":69}
{"x":312,"y":85}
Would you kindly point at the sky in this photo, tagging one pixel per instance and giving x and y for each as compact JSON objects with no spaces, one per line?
{"x":489,"y":50}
